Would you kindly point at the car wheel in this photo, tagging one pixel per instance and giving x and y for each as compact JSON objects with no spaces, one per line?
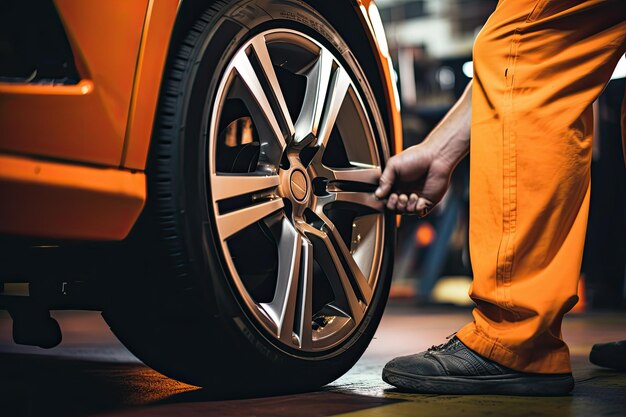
{"x":262,"y":262}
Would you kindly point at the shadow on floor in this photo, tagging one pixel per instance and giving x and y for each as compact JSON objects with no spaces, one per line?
{"x":91,"y":373}
{"x":32,"y":385}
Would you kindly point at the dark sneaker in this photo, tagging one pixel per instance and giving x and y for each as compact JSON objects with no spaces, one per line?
{"x":453,"y":368}
{"x":609,"y":355}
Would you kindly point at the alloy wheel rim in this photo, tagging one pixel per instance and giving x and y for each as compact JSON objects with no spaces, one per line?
{"x":270,"y":178}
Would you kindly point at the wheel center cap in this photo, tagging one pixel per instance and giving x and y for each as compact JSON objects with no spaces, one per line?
{"x":298,"y":185}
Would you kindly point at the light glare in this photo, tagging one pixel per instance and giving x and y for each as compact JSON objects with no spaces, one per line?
{"x":468,"y":69}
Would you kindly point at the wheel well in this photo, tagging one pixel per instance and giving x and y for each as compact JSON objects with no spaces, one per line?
{"x":343,"y":15}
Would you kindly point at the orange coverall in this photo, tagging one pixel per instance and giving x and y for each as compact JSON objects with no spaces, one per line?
{"x":538,"y":67}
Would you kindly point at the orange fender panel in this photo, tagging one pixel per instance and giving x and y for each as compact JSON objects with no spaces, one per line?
{"x":61,"y":201}
{"x":84,"y":124}
{"x":154,"y":47}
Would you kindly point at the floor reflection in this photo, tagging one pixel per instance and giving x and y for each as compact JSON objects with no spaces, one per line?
{"x":91,"y":373}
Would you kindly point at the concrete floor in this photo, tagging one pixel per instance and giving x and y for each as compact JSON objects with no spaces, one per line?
{"x":91,"y":373}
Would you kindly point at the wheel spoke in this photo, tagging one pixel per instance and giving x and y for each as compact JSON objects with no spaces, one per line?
{"x":305,"y":312}
{"x":231,"y":185}
{"x":364,"y":200}
{"x":260,"y":48}
{"x":362,"y":175}
{"x":234,"y":221}
{"x":344,"y":252}
{"x":330,"y":261}
{"x":337,"y":92}
{"x":317,"y":82}
{"x":283,"y":307}
{"x":248,"y":75}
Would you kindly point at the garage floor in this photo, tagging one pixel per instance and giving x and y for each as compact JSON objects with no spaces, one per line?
{"x":91,"y":373}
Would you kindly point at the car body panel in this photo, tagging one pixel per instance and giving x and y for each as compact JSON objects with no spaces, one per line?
{"x":56,"y":200}
{"x":157,"y":31}
{"x":104,"y":123}
{"x":84,"y":123}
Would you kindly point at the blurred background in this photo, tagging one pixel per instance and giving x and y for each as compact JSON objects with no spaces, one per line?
{"x":431,"y":46}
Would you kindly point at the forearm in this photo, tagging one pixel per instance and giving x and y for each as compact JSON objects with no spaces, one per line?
{"x":450,"y":139}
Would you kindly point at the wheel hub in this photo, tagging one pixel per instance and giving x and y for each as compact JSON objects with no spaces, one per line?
{"x":299,"y":185}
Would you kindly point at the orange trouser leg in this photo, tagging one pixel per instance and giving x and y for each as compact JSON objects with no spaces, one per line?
{"x":538,"y":67}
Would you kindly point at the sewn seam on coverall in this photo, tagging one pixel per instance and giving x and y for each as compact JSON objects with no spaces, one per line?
{"x":506,"y":250}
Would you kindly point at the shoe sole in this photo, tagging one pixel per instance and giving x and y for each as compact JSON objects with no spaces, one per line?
{"x":513,"y":384}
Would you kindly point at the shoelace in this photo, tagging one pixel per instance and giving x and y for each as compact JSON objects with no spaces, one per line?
{"x":437,"y":348}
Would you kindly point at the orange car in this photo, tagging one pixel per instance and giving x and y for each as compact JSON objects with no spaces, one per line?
{"x":202,"y":172}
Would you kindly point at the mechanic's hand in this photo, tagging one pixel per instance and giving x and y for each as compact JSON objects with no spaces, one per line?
{"x":415,"y":180}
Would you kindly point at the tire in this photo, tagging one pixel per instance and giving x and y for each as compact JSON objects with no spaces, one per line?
{"x":286,"y":298}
